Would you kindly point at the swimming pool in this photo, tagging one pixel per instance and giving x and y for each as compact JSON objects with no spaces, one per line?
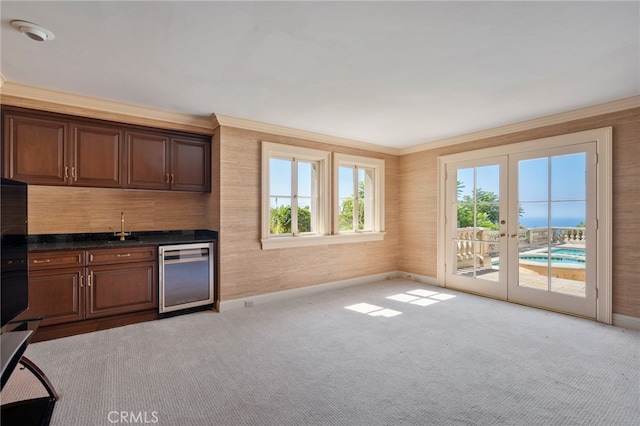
{"x":572,"y":251}
{"x":568,"y":263}
{"x":555,"y":259}
{"x":559,"y":256}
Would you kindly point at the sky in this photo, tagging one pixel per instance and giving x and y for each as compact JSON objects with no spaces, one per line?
{"x":566,"y":193}
{"x":567,"y":174}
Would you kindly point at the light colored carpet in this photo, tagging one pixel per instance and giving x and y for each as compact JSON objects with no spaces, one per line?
{"x":461,"y":360}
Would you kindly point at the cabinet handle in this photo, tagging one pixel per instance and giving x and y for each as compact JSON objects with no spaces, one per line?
{"x":81,"y":279}
{"x":123,"y":255}
{"x":73,"y":172}
{"x":42,"y":261}
{"x":66,"y":172}
{"x":89,"y":279}
{"x":168,"y":179}
{"x":172,"y":176}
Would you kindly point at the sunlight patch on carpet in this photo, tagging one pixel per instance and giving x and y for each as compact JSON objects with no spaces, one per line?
{"x":421,"y":297}
{"x":373,"y":310}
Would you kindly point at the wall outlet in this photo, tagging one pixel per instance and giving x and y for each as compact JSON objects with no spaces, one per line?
{"x":248,"y":303}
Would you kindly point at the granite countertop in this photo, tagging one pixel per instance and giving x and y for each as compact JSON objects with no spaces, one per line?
{"x":107,"y":240}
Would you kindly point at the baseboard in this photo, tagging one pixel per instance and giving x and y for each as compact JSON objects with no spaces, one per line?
{"x":418,"y":278}
{"x":626,"y":321}
{"x":246,"y":302}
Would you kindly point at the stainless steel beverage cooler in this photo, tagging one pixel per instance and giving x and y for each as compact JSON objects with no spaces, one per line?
{"x":186,"y":277}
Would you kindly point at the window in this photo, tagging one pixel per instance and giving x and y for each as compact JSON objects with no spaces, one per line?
{"x":296,"y":200}
{"x":359,"y":192}
{"x":295,"y":193}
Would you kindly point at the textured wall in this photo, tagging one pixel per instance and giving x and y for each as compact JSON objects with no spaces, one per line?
{"x":246,"y":269}
{"x":418,"y":202}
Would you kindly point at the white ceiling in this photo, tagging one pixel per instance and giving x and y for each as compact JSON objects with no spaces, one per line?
{"x":395,"y":74}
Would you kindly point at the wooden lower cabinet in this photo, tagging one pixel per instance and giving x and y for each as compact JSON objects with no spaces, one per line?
{"x":79,"y":291}
{"x":120,"y":289}
{"x":57,"y":295}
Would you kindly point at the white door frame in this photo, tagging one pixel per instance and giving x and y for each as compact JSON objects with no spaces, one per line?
{"x":491,"y":288}
{"x":603,"y":138}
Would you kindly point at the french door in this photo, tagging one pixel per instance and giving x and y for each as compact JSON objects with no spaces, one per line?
{"x":523,"y":226}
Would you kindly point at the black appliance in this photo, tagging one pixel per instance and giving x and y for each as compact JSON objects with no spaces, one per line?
{"x":14,"y":299}
{"x":14,"y":294}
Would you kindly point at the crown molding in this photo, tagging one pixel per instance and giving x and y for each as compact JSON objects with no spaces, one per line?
{"x":592,"y":111}
{"x":21,"y":95}
{"x":257,"y":126}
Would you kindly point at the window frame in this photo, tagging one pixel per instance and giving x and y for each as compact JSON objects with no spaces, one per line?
{"x":356,"y":161}
{"x":327,"y":222}
{"x":281,"y":151}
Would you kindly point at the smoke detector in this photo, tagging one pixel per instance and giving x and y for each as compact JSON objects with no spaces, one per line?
{"x":33,"y":31}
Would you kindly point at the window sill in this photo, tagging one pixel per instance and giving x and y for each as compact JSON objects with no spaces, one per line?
{"x":308,"y":241}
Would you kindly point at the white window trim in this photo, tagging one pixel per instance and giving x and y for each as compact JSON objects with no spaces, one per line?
{"x":363,"y":162}
{"x":269,"y":150}
{"x":319,"y":240}
{"x":324,"y":236}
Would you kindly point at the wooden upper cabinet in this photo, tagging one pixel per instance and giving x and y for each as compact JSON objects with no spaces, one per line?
{"x":46,"y":148}
{"x":35,"y":149}
{"x":190,"y":165}
{"x":97,"y":154}
{"x":147,"y":161}
{"x":178,"y":163}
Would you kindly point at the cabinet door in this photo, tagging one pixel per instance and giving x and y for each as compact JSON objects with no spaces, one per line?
{"x":57,"y":295}
{"x":147,"y":160}
{"x":97,"y":156}
{"x":118,"y":289}
{"x":35,"y":149}
{"x":190,"y":164}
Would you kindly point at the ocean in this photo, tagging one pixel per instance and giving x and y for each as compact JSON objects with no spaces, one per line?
{"x":536,"y":222}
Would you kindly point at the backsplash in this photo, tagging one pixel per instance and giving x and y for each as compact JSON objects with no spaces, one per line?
{"x":59,"y":210}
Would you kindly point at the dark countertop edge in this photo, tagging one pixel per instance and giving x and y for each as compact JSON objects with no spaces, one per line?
{"x":80,"y":241}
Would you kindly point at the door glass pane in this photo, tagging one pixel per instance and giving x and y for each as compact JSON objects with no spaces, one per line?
{"x":465,"y":183}
{"x":487,"y":197}
{"x":477,"y":219}
{"x":552,"y":215}
{"x":533,"y":180}
{"x":568,"y":177}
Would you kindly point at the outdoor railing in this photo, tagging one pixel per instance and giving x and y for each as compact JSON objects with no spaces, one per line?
{"x":558,"y":235}
{"x":486,"y":241}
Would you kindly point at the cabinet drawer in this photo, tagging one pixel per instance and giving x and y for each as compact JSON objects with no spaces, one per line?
{"x":121,"y":255}
{"x":55,"y":259}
